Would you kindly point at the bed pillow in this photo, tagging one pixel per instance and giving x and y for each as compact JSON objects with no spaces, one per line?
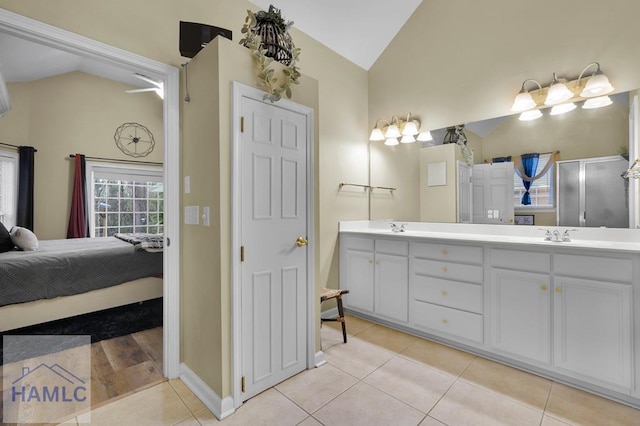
{"x":24,"y":238}
{"x":5,"y":240}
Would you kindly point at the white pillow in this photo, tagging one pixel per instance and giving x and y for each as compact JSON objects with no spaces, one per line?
{"x":24,"y":238}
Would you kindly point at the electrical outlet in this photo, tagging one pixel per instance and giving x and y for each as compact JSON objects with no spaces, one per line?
{"x":191,"y":215}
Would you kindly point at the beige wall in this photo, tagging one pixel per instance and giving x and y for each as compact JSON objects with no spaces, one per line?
{"x":342,"y":114}
{"x":463,"y":61}
{"x":206,"y":251}
{"x":439,"y":203}
{"x":581,"y":133}
{"x":67,"y":114}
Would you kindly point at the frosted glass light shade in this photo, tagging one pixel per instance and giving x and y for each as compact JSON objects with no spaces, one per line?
{"x":410,"y":128}
{"x":407,"y":139}
{"x":391,"y":142}
{"x":523,"y":102}
{"x":392,"y":132}
{"x":425,"y":136}
{"x":558,"y":93}
{"x":376,"y":135}
{"x":562,"y":109}
{"x":599,"y":102}
{"x":596,"y":86}
{"x":530,"y":115}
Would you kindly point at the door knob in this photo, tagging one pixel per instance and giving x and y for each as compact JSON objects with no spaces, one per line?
{"x":301,"y":242}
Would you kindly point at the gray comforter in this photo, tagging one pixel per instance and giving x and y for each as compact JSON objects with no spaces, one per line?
{"x":67,"y":267}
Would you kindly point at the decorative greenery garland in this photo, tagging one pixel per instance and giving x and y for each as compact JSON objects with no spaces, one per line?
{"x":268,"y":81}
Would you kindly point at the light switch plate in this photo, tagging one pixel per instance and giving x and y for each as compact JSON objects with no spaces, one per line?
{"x":206,"y":216}
{"x":191,"y":215}
{"x":187,"y":184}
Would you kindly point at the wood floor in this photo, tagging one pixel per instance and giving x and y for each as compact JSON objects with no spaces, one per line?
{"x":119,"y":366}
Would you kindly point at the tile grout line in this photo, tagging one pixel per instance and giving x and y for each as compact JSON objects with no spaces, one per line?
{"x":546,"y":403}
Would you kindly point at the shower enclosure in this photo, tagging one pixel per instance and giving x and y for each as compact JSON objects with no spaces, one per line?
{"x":592,"y":192}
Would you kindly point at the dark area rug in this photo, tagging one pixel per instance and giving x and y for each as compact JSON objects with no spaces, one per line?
{"x":101,"y":325}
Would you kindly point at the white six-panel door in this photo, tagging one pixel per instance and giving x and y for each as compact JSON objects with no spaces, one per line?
{"x":273,"y":273}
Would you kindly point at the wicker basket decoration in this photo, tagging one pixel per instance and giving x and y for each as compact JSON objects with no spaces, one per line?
{"x":274,"y":33}
{"x":267,"y":35}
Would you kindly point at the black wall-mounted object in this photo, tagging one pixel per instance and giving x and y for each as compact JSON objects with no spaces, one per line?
{"x":194,"y":36}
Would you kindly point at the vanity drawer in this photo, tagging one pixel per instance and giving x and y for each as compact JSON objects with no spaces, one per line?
{"x":604,"y":268}
{"x":452,"y":294}
{"x":357,"y":243}
{"x":448,"y":270}
{"x":398,"y":248}
{"x":447,"y":320}
{"x":447,"y":252}
{"x":521,"y":260}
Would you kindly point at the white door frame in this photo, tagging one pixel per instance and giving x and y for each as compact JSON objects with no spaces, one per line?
{"x":39,"y":32}
{"x":239,"y":91}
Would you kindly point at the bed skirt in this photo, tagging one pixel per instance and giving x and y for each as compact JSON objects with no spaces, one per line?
{"x":39,"y":311}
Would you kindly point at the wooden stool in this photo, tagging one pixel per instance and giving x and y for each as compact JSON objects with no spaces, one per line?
{"x":329,"y":293}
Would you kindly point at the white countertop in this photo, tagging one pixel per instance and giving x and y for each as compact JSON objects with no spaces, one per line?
{"x":625,"y":240}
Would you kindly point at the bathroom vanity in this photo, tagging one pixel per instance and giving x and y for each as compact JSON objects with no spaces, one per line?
{"x":568,"y":310}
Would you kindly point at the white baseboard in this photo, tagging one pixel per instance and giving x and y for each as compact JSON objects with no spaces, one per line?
{"x":329,"y":313}
{"x":221,"y":408}
{"x":319,"y":359}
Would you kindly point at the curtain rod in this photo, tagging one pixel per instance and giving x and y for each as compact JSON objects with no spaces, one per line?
{"x":116,"y":160}
{"x":15,"y":146}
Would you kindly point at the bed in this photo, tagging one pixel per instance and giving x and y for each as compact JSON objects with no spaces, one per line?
{"x":69,"y":277}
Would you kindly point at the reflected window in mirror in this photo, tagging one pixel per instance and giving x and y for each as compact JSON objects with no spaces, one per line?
{"x":541,"y":190}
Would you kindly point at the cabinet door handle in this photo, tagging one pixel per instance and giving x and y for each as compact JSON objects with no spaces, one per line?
{"x":377,"y":262}
{"x":444,"y":321}
{"x":444,"y":294}
{"x":558,"y":290}
{"x":544,"y":287}
{"x":370,"y":261}
{"x":444,"y":252}
{"x":444,"y":269}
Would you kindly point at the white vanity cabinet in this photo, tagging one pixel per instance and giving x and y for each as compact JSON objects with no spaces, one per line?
{"x":592,"y":325}
{"x":375,"y":271}
{"x":357,"y":272}
{"x":445,"y":290}
{"x":519,"y":296}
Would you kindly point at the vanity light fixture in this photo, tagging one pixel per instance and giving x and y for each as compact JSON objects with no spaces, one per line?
{"x":524,"y":100}
{"x":376,"y":133}
{"x":407,"y":131}
{"x":533,"y":114}
{"x":599,"y":102}
{"x":558,"y":92}
{"x":562,"y":108}
{"x":393,"y":131}
{"x":425,"y":136}
{"x":597,"y":85}
{"x":561,"y":91}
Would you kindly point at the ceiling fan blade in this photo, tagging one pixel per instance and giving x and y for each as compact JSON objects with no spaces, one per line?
{"x":149,"y":89}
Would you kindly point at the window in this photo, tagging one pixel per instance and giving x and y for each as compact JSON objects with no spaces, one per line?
{"x":541,"y":190}
{"x":125,"y":199}
{"x":8,"y":188}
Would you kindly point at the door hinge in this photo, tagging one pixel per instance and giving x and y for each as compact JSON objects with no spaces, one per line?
{"x":241,"y":253}
{"x":242,"y":384}
{"x":241,"y":124}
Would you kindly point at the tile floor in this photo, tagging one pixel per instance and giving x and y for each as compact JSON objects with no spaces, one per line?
{"x":385,"y":377}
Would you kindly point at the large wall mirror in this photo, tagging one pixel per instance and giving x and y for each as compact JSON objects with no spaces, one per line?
{"x":592,"y":135}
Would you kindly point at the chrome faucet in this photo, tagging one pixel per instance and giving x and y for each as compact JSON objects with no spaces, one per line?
{"x":566,"y":237}
{"x":396,"y":228}
{"x":547,"y":234}
{"x":556,"y":236}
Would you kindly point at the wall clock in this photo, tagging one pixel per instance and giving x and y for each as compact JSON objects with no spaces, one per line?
{"x":134,"y":139}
